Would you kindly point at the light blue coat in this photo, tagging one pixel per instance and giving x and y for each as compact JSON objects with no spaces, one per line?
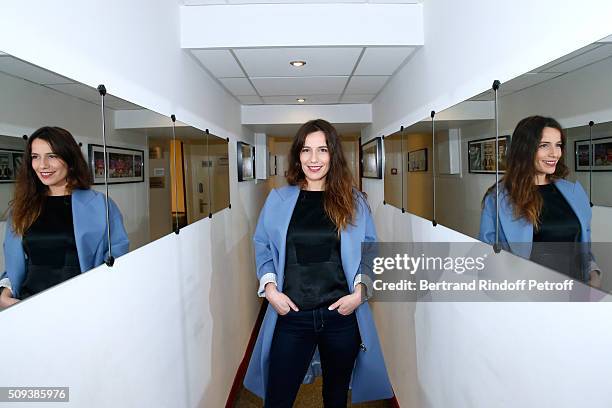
{"x":89,"y":220}
{"x":516,"y":234}
{"x":370,"y":380}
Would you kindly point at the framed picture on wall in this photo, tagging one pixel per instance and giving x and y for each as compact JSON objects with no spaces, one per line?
{"x":124,"y":165}
{"x":601,"y":157}
{"x":481,"y":155}
{"x":417,"y":160}
{"x":10,"y":161}
{"x":371,"y":159}
{"x":246,"y":161}
{"x":272,"y":164}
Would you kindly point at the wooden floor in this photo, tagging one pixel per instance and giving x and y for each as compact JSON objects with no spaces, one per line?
{"x":308,"y":397}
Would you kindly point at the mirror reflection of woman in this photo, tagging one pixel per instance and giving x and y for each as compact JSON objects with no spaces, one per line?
{"x":543,"y":216}
{"x":308,"y":255}
{"x":57,"y":225}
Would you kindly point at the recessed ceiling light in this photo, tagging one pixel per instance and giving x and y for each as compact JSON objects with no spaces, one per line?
{"x":297,"y":63}
{"x":301,"y":100}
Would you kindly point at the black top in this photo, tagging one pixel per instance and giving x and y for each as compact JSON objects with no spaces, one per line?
{"x":313,"y":268}
{"x":50,"y":247}
{"x":556,"y":243}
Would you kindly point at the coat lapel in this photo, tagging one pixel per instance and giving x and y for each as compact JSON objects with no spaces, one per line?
{"x":282,"y":212}
{"x":87,"y":227}
{"x":517,"y":231}
{"x":350,"y":247}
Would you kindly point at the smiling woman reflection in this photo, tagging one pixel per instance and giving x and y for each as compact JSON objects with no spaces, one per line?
{"x":543,"y":217}
{"x":308,"y":252}
{"x":57,"y":225}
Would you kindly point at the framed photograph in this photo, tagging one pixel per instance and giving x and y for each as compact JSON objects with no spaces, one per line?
{"x":417,"y":160}
{"x":246,"y":161}
{"x":481,"y":155}
{"x":601,"y":157}
{"x":124,"y":165}
{"x":272,"y":164}
{"x":10,"y":161}
{"x":371,"y":159}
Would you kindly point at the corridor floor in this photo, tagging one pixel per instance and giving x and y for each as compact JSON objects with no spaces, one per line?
{"x":308,"y":397}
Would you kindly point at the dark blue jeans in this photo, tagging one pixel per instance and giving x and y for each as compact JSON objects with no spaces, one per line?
{"x":295,"y":337}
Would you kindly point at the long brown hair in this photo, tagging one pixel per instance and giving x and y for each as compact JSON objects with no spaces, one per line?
{"x":30,"y":192}
{"x":519,"y":180}
{"x":340,"y":198}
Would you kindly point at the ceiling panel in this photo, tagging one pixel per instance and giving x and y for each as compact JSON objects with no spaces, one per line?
{"x":250,"y":100}
{"x":382,"y":60}
{"x":90,"y":94}
{"x":221,"y":63}
{"x":597,"y":54}
{"x":274,"y":62}
{"x":238,"y":86}
{"x":525,"y":81}
{"x":300,"y":86}
{"x":20,"y":69}
{"x":310,"y":99}
{"x":366,"y":84}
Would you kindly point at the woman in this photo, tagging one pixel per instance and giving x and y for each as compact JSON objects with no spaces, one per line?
{"x":57,"y":224}
{"x":308,"y":252}
{"x":543,"y":217}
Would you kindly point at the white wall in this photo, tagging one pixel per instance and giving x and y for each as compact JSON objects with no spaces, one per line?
{"x":484,"y":355}
{"x":149,"y":331}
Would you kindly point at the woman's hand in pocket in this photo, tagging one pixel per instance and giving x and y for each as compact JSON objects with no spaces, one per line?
{"x":347,"y":304}
{"x":6,"y":298}
{"x":279,"y":301}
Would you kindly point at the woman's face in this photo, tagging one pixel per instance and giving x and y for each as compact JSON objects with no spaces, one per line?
{"x":51,"y":170}
{"x":314,"y":159}
{"x":548,"y":153}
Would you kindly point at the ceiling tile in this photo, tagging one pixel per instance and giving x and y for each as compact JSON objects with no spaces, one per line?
{"x":356,"y":98}
{"x":250,"y":100}
{"x":238,"y":86}
{"x":274,"y":62}
{"x":383,"y":60}
{"x":15,"y":67}
{"x":589,"y":57}
{"x":525,"y":81}
{"x":220,"y":63}
{"x":300,"y":85}
{"x":310,"y":99}
{"x":366,"y":84}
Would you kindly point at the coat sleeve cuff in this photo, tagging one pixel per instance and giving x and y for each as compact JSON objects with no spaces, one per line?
{"x":6,"y":283}
{"x":267,"y":278}
{"x":366,"y":281}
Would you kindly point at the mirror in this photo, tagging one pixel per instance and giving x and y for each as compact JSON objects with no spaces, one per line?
{"x":218,"y":157}
{"x":30,"y":98}
{"x":394,"y":169}
{"x":417,"y":174}
{"x":574,"y":90}
{"x":140,"y":172}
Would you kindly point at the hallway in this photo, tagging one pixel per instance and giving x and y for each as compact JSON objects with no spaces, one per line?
{"x":308,"y":397}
